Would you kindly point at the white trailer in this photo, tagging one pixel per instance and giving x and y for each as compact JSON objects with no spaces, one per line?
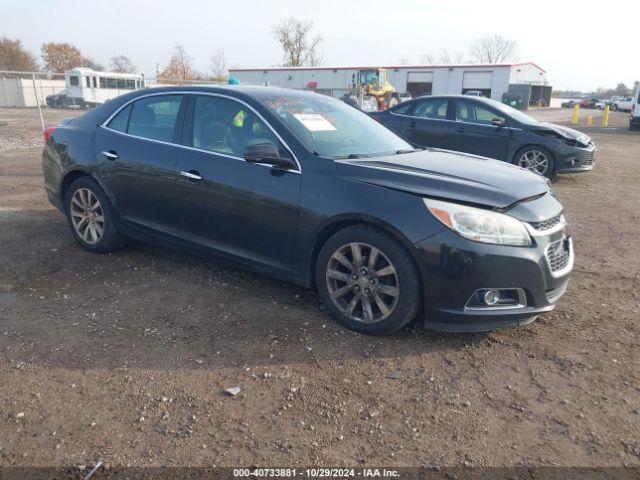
{"x":86,"y":87}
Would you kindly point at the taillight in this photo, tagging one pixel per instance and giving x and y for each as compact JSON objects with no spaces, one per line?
{"x":48,"y":132}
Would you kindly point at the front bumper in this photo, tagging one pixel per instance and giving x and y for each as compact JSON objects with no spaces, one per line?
{"x":454,"y":269}
{"x":575,"y":159}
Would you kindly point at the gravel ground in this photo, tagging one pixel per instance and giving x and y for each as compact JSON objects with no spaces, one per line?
{"x":125,"y":357}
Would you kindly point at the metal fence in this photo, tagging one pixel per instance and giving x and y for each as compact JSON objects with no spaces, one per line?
{"x":38,"y":89}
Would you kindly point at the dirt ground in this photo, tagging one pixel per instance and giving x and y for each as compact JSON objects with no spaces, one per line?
{"x":125,"y":357}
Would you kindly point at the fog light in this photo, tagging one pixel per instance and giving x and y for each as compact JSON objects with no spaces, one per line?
{"x":491,"y":297}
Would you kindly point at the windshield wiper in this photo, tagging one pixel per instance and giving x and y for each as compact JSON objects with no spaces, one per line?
{"x":408,"y":150}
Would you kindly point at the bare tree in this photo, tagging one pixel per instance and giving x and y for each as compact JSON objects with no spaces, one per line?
{"x":493,"y":49}
{"x":427,"y":58}
{"x":180,"y":67}
{"x":13,"y":56}
{"x":403,"y":61}
{"x":444,"y":57}
{"x":122,"y":64}
{"x":218,"y":66}
{"x":92,"y":64}
{"x":299,"y":46}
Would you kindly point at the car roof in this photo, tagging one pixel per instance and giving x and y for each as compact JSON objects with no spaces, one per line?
{"x":465,"y":97}
{"x":257,"y":92}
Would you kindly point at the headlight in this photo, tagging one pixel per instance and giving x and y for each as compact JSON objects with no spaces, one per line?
{"x":480,"y":225}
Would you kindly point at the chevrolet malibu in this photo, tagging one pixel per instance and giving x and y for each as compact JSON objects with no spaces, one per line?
{"x":305,"y":188}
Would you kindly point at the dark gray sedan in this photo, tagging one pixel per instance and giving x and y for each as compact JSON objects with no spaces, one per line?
{"x":492,"y":129}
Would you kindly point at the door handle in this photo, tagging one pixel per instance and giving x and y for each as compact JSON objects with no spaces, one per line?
{"x":412,"y":124}
{"x":192,"y":175}
{"x":110,"y":154}
{"x":459,"y":130}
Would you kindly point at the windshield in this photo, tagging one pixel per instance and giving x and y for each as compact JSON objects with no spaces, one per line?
{"x":513,"y":113}
{"x":333,"y":129}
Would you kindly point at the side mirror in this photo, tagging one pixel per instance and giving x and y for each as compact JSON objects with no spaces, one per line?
{"x":499,"y":122}
{"x":267,"y":153}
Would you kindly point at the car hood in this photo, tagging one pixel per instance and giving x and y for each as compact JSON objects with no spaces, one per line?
{"x":448,"y":175}
{"x":566,"y":132}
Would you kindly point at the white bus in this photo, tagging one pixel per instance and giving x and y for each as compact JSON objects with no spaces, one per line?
{"x":86,"y":87}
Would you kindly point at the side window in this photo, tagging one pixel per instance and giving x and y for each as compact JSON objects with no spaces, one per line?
{"x":462,"y":112}
{"x":103,"y":82}
{"x":403,"y":108}
{"x":155,"y":117}
{"x":434,"y":108}
{"x":484,"y":115}
{"x":88,"y":81}
{"x":121,"y":120}
{"x":74,"y":81}
{"x":474,"y":113}
{"x":225,"y":126}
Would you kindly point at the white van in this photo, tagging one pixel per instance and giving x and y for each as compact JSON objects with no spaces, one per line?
{"x":634,"y":118}
{"x":86,"y":87}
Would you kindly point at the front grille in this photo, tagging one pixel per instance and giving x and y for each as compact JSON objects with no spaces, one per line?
{"x":558,"y":254}
{"x":547,"y":224}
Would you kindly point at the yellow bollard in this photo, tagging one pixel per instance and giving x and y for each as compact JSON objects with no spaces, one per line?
{"x":590,"y":120}
{"x":576,"y":111}
{"x":605,"y":118}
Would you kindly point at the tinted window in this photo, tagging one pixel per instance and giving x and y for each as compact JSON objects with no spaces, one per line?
{"x":103,"y":82}
{"x":155,"y":117}
{"x":403,"y":108}
{"x":474,"y":113}
{"x":88,"y":81}
{"x":226,"y":126}
{"x":433,"y":108}
{"x":74,"y":81}
{"x":120,"y":121}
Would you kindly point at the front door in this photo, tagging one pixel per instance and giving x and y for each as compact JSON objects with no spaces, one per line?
{"x":474,"y":132}
{"x":243,"y":210}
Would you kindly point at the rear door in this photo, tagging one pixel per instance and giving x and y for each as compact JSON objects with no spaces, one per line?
{"x":136,"y":153}
{"x":474,"y":132}
{"x":427,"y":124}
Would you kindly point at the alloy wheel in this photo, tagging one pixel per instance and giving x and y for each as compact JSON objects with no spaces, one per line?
{"x":87,"y":216}
{"x":534,"y":161}
{"x":362,"y":282}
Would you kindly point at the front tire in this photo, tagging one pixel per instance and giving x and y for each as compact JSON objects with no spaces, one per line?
{"x":91,"y":217}
{"x":536,"y":159}
{"x":367,"y":281}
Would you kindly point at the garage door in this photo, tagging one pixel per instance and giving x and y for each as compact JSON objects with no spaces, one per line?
{"x":419,"y":77}
{"x":477,"y":80}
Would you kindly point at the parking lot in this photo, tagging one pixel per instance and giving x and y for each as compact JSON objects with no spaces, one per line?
{"x":125,"y":357}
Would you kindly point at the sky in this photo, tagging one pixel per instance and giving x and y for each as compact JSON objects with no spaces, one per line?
{"x":578,"y":49}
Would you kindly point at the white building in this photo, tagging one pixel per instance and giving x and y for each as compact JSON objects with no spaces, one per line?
{"x":526,"y":80}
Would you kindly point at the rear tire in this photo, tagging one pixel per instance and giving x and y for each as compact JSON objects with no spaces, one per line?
{"x":91,"y":217}
{"x":378,"y":294}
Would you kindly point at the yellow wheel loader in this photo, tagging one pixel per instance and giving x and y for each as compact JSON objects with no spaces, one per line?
{"x":370,"y":90}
